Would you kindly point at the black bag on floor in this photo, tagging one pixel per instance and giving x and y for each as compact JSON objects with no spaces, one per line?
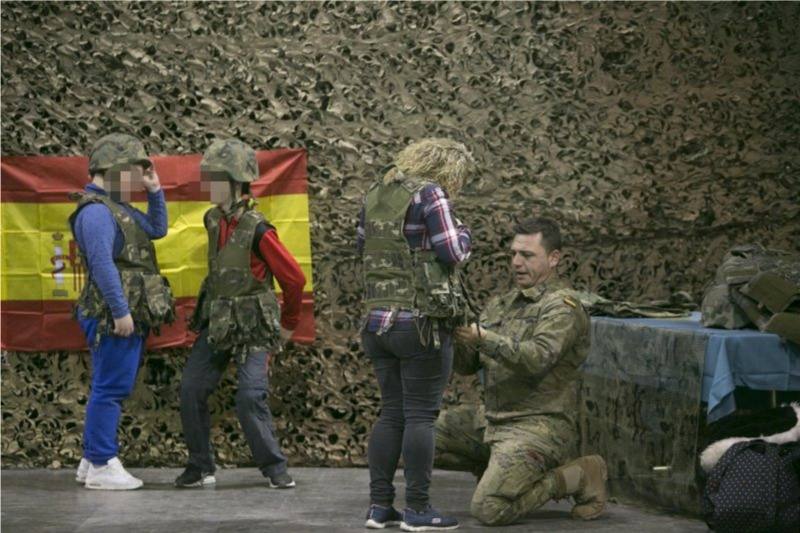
{"x":755,"y":487}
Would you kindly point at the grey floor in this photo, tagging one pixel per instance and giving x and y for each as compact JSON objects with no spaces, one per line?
{"x":325,"y":499}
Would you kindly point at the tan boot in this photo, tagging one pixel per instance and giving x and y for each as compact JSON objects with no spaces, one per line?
{"x":585,"y":480}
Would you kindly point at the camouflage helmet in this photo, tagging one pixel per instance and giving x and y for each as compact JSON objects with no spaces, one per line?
{"x":117,"y":149}
{"x":232,"y":157}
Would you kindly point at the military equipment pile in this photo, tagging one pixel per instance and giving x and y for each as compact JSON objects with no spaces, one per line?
{"x":658,"y":135}
{"x":757,"y":288}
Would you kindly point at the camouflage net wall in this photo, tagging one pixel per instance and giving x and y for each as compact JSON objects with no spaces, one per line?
{"x":658,"y":135}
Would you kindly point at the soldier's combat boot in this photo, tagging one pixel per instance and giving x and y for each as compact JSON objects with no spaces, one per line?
{"x":585,"y":480}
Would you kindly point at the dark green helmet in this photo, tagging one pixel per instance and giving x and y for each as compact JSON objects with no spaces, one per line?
{"x":232,"y":157}
{"x":117,"y":149}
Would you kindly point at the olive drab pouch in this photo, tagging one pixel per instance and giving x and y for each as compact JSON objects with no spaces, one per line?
{"x":244,"y":323}
{"x":439,"y":292}
{"x":270,"y":313}
{"x":149,"y":298}
{"x":159,"y":299}
{"x":774,"y":292}
{"x":248,"y":313}
{"x":755,"y":286}
{"x":772,"y":303}
{"x":133,"y":289}
{"x":220,"y":323}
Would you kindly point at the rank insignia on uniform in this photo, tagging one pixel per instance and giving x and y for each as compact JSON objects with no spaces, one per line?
{"x":570,"y":302}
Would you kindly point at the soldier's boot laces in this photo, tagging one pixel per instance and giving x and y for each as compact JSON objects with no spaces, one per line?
{"x":585,"y":480}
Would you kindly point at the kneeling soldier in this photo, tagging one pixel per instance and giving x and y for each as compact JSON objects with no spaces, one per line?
{"x":237,"y":316}
{"x":530,"y":344}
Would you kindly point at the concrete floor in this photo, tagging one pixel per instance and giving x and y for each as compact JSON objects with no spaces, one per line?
{"x":325,"y":499}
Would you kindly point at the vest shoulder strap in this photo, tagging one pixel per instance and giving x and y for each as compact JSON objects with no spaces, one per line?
{"x":249,"y":222}
{"x":212,"y":216}
{"x":211,"y":222}
{"x":83,"y":199}
{"x":261,"y":229}
{"x":120,"y":214}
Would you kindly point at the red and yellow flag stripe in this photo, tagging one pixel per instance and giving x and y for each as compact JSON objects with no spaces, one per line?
{"x":41,"y":275}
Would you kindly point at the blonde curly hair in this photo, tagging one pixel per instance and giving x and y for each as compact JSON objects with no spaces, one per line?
{"x":442,"y":161}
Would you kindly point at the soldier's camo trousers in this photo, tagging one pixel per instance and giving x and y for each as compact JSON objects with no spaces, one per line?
{"x":514,"y":466}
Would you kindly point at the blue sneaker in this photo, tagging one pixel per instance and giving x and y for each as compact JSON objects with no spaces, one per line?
{"x":380,"y":517}
{"x":428,"y":519}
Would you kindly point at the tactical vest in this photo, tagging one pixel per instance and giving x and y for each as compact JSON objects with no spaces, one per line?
{"x":148,"y":293}
{"x":241,"y":313}
{"x":397,"y":277}
{"x":755,"y":286}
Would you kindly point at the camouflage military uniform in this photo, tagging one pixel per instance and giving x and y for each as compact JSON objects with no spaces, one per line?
{"x":536,"y":339}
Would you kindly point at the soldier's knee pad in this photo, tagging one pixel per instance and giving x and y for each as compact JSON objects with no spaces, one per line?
{"x":490,"y":510}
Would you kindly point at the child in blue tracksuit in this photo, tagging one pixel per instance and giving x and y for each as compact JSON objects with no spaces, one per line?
{"x":114,"y":241}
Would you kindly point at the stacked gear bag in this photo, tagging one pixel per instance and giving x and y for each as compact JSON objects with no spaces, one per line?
{"x":757,"y":287}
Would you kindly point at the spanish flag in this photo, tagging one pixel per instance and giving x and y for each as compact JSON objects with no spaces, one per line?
{"x":42,"y":275}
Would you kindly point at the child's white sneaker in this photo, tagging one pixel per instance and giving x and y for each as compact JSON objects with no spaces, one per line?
{"x":111,"y":476}
{"x":83,"y":469}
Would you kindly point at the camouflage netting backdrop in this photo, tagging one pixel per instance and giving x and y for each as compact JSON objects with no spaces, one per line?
{"x":657,"y":134}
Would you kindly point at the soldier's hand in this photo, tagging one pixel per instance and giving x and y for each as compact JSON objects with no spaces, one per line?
{"x":470,"y":334}
{"x":286,"y":334}
{"x":150,"y":179}
{"x":123,"y":326}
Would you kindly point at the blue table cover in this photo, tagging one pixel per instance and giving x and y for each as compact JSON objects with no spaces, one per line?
{"x":741,"y":357}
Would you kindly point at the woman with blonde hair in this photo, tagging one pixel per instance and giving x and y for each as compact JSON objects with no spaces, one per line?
{"x":411,"y":244}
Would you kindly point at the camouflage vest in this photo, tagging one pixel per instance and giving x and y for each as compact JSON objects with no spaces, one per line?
{"x":755,"y":286}
{"x":241,"y":313}
{"x":148,"y":293}
{"x":395,"y":276}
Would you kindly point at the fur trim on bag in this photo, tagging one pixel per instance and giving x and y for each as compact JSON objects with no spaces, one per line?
{"x":715,"y":451}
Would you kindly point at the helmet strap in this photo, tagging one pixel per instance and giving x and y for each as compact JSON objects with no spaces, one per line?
{"x":238,"y":202}
{"x":236,"y":192}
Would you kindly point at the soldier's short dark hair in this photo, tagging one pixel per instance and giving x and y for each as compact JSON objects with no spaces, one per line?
{"x":551,"y":233}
